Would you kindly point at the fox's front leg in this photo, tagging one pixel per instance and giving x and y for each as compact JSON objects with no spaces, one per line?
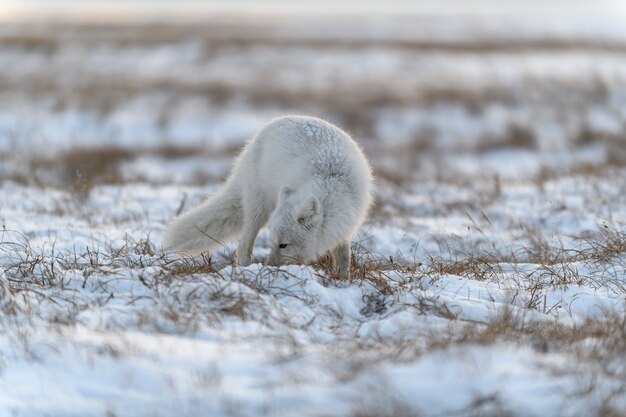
{"x":341,"y":259}
{"x":255,"y":215}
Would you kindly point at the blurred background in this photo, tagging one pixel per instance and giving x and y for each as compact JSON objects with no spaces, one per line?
{"x":165,"y":92}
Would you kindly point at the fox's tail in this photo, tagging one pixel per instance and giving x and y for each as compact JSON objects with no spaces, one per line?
{"x":212,"y":223}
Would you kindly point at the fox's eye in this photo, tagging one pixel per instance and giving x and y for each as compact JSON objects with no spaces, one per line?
{"x":282,"y":245}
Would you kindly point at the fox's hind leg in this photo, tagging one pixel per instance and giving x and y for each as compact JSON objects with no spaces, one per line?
{"x":255,"y":215}
{"x":341,"y":259}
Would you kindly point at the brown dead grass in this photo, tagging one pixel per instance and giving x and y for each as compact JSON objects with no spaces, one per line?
{"x":87,"y":167}
{"x":517,"y":136}
{"x":80,"y":169}
{"x":189,"y":266}
{"x":596,"y":346}
{"x":215,"y":33}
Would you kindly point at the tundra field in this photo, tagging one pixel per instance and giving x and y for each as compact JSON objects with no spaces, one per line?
{"x":489,"y":280}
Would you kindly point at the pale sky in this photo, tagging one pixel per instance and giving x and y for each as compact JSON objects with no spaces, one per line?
{"x":137,"y":9}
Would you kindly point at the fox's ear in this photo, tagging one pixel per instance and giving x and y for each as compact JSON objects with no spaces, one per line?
{"x":310,"y":213}
{"x":284,"y":193}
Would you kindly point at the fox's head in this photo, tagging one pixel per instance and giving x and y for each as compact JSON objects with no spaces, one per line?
{"x":293,"y":228}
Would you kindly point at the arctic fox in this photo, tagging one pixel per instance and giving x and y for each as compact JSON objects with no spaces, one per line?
{"x":306,"y":176}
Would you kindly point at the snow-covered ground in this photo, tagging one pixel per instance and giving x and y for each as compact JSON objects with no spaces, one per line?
{"x":490,"y":279}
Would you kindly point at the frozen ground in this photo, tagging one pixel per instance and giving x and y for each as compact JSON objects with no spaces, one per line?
{"x":490,"y":279}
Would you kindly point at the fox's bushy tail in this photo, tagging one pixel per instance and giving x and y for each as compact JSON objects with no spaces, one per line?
{"x":212,"y":223}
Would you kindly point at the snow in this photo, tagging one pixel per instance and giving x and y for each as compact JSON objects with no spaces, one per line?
{"x":489,"y":279}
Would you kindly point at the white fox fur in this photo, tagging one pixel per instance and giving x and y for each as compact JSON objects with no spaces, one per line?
{"x":305,"y":176}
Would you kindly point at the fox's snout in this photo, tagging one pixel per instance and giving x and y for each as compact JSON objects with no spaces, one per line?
{"x":277,"y":260}
{"x":272,"y":261}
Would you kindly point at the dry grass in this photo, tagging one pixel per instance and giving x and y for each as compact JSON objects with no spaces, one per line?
{"x":216,"y":33}
{"x":594,"y":348}
{"x":516,"y":137}
{"x":354,"y":107}
{"x":189,"y":266}
{"x":186,"y":296}
{"x":87,"y":167}
{"x":81,"y":169}
{"x":603,"y":246}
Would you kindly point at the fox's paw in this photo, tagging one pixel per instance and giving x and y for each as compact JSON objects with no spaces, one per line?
{"x":243,"y":258}
{"x":243,"y":263}
{"x":341,"y":259}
